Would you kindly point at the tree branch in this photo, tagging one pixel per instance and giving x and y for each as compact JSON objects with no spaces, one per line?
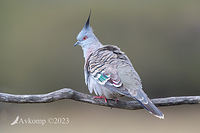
{"x":82,"y":97}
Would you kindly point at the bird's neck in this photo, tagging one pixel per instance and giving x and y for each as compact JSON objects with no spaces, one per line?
{"x":88,"y":50}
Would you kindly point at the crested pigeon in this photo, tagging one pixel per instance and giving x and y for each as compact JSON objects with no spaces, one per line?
{"x":109,"y":72}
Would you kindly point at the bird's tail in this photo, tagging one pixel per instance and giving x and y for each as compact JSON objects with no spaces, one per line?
{"x":146,"y":103}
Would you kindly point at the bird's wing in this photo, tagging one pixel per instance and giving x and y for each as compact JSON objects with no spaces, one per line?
{"x":102,"y":65}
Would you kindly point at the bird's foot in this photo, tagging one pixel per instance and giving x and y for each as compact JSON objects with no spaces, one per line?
{"x":117,"y":99}
{"x":101,"y":97}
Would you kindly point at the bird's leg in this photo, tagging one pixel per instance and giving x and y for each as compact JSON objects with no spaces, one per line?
{"x":101,"y":97}
{"x":117,"y":99}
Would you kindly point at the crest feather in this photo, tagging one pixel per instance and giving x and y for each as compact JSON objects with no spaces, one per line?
{"x":87,"y":24}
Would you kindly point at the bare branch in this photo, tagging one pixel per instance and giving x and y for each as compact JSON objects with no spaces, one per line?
{"x":82,"y":97}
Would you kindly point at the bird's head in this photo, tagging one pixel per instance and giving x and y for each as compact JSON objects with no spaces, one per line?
{"x":86,"y":37}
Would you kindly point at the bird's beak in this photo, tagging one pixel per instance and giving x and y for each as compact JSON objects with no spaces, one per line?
{"x":77,"y":43}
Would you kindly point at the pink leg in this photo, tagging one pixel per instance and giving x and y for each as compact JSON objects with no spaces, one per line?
{"x":101,"y":97}
{"x":117,"y":99}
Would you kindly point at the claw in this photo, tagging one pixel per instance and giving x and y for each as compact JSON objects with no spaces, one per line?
{"x":101,"y":97}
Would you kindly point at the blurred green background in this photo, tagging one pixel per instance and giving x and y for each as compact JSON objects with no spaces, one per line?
{"x":161,"y":38}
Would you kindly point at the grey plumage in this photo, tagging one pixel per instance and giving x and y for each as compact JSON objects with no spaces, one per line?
{"x":109,"y":72}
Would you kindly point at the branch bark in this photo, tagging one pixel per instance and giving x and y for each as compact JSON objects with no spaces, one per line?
{"x":67,"y":93}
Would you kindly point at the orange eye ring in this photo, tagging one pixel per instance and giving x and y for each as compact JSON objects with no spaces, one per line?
{"x":85,"y":37}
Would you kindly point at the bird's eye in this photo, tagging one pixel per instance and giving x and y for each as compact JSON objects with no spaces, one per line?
{"x":85,"y":37}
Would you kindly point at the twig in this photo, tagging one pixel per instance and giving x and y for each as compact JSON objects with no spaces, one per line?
{"x":82,"y":97}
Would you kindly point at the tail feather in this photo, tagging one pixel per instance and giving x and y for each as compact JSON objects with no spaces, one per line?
{"x":148,"y":105}
{"x":151,"y":108}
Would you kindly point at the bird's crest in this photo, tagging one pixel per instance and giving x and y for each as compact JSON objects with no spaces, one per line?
{"x":87,"y":24}
{"x":87,"y":30}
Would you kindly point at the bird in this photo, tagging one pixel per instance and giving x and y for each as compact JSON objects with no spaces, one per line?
{"x":109,"y":73}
